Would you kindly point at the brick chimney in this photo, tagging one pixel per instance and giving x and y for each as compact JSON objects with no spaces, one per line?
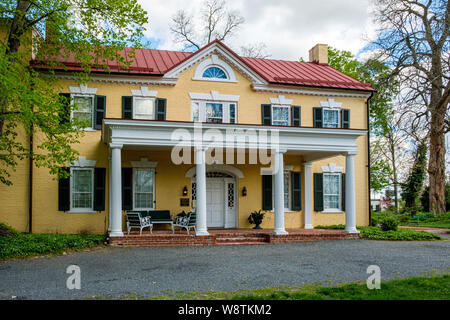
{"x":319,"y":53}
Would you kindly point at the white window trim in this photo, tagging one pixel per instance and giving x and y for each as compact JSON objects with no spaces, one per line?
{"x":144,"y":98}
{"x":81,"y":210}
{"x":214,"y":61}
{"x":225,"y":110}
{"x":72,"y":102}
{"x":153,"y":191}
{"x":289,"y":114}
{"x":338,"y":117}
{"x":339,"y":209}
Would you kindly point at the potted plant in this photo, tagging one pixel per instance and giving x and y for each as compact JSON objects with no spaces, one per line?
{"x":256,"y":218}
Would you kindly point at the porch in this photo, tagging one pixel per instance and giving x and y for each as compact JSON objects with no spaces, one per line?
{"x":229,"y":237}
{"x":249,"y":141}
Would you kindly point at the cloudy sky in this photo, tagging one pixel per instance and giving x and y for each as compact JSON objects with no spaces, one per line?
{"x":289,"y":28}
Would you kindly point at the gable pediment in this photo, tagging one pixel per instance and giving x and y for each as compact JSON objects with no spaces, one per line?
{"x":216,"y":54}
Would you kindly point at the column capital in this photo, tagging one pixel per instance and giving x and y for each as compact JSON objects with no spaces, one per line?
{"x":351,"y":153}
{"x":116,"y":145}
{"x":200,"y":148}
{"x":280,"y":150}
{"x":308,"y":164}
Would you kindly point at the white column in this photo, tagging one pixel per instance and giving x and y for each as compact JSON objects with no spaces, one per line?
{"x":350,"y":199}
{"x":201,"y":229}
{"x":115,"y":184}
{"x":279,"y":193}
{"x":308,"y":200}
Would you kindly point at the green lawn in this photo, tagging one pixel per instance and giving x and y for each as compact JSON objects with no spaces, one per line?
{"x":432,"y":224}
{"x":24,"y":245}
{"x":435,"y":287}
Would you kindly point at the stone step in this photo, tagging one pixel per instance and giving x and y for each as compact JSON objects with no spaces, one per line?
{"x":246,"y":239}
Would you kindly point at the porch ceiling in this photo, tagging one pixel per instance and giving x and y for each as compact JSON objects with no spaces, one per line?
{"x":311,"y":143}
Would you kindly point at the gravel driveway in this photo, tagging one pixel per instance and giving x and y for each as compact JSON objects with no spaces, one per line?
{"x":152,"y":270}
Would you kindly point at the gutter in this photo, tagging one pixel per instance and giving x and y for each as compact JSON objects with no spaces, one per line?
{"x":368,"y":155}
{"x":30,"y":190}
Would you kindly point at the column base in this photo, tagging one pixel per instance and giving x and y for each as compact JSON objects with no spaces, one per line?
{"x":116,"y":234}
{"x":309,"y":226}
{"x":202,"y":233}
{"x":352,"y":230}
{"x":280,"y":232}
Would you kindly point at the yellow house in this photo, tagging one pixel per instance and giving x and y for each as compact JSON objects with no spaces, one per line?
{"x":209,"y":132}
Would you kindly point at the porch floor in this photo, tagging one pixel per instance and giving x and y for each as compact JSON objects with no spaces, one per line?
{"x":227,"y":237}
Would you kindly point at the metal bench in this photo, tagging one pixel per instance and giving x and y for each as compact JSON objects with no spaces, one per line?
{"x":135,"y":219}
{"x":161,"y":217}
{"x":187,"y":222}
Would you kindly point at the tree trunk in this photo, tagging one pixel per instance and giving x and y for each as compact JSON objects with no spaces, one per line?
{"x":436,"y":164}
{"x":394,"y":168}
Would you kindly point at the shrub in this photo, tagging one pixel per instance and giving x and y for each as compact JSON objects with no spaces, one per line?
{"x":404,"y":218}
{"x":389,"y":223}
{"x":375,"y":233}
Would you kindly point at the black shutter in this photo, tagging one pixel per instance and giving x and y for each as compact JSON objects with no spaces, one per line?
{"x":296,"y":116}
{"x":296,"y":182}
{"x":127,"y":188}
{"x":318,"y":192}
{"x":266,"y":112}
{"x":267,"y":192}
{"x":343,"y":192}
{"x":64,"y":115}
{"x":317,"y":116}
{"x":127,"y":107}
{"x":99,"y":189}
{"x":64,"y":192}
{"x":100,"y":111}
{"x":345,"y":118}
{"x":161,"y":108}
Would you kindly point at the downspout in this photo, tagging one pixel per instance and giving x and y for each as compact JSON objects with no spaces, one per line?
{"x":368,"y":155}
{"x":30,"y":191}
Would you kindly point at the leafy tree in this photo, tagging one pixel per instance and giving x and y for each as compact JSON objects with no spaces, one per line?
{"x":414,"y":38}
{"x":37,"y":32}
{"x":414,"y":184}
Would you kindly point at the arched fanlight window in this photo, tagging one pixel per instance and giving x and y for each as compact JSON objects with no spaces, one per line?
{"x":214,"y":72}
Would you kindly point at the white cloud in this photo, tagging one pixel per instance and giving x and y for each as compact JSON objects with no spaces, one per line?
{"x":288,"y":27}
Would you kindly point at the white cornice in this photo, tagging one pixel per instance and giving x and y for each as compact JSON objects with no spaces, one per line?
{"x":135,"y":80}
{"x":83,"y":89}
{"x":83,"y":163}
{"x":310,"y":92}
{"x":330,"y":103}
{"x":281,"y":100}
{"x":332,"y":168}
{"x":144,"y":163}
{"x":144,"y":92}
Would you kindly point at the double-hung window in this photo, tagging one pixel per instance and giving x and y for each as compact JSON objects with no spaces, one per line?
{"x":332,"y":191}
{"x":82,"y":189}
{"x":213,"y":112}
{"x":280,"y":115}
{"x":144,"y":108}
{"x":144,"y":188}
{"x":84,"y":109}
{"x":330,"y":118}
{"x":287,"y":190}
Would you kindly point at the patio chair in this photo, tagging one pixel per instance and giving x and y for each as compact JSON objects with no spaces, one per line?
{"x":187,"y":222}
{"x":161,"y":216}
{"x":136,"y":220}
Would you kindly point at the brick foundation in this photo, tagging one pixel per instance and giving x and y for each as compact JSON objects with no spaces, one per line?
{"x":228,"y":237}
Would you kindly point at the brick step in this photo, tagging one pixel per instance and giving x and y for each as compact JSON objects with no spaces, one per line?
{"x":239,"y":243}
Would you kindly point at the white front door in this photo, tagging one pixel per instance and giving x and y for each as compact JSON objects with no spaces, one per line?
{"x":215,"y":203}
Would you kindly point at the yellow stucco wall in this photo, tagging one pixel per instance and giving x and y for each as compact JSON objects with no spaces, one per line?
{"x":170,"y":178}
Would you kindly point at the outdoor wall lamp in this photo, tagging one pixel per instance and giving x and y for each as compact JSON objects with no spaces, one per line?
{"x":185,"y":191}
{"x":244,"y":191}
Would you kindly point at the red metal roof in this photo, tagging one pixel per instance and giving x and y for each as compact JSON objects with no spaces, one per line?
{"x":159,"y":62}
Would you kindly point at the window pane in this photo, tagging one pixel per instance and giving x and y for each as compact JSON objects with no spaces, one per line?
{"x":331,"y":191}
{"x":330,"y":118}
{"x":331,"y":202}
{"x":214,"y":72}
{"x":195,"y":112}
{"x":287,"y":187}
{"x":143,"y":188}
{"x":82,"y":189}
{"x":84,"y":108}
{"x":214,"y":112}
{"x":143,"y":109}
{"x":280,"y":115}
{"x":232,"y":113}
